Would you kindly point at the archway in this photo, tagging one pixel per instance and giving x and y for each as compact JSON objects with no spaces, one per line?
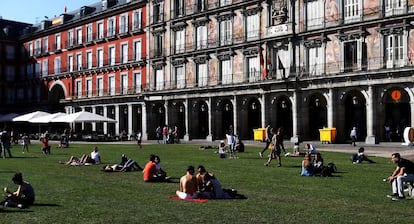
{"x":317,"y":115}
{"x":397,"y":113}
{"x":200,"y":120}
{"x":284,"y":116}
{"x":355,"y":114}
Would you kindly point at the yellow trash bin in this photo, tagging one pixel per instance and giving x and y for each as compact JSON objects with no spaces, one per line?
{"x":327,"y":135}
{"x":259,"y":134}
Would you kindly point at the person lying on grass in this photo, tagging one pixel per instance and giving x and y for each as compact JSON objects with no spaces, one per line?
{"x":23,"y":197}
{"x":125,"y":165}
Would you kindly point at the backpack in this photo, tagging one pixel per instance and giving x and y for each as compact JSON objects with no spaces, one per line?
{"x":328,"y":170}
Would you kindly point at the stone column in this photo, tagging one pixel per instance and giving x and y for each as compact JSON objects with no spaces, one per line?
{"x":330,"y":109}
{"x":209,"y":136}
{"x":105,"y":124}
{"x":370,"y":139}
{"x":130,"y":131}
{"x":235,"y":117}
{"x":295,"y":119}
{"x":186,"y":111}
{"x":144,"y":122}
{"x":94,"y":123}
{"x":118,"y":119}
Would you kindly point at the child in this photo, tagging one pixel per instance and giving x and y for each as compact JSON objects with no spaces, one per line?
{"x":222,"y":150}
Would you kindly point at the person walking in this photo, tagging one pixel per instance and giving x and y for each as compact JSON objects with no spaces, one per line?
{"x":353,"y":136}
{"x":404,"y":172}
{"x":139,"y":139}
{"x":268,"y":139}
{"x":276,"y":150}
{"x":25,"y":143}
{"x":5,"y":143}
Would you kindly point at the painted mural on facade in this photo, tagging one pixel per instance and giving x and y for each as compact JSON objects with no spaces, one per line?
{"x":373,"y":48}
{"x":212,"y":31}
{"x":333,"y":49}
{"x":238,"y":27}
{"x":331,"y":11}
{"x":212,"y":71}
{"x":371,"y":7}
{"x":238,"y":66}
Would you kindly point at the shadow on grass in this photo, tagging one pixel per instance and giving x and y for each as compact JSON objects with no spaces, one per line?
{"x":45,"y":205}
{"x":14,"y":210}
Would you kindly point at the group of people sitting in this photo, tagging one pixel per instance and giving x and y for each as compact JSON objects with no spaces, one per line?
{"x":203,"y":185}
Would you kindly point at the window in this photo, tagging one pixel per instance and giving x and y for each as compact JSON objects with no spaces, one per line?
{"x":10,"y":73}
{"x":253,"y":67}
{"x":395,"y":7}
{"x":124,"y":83}
{"x":227,"y":72}
{"x":202,"y":75}
{"x":314,"y":14}
{"x":111,"y":27}
{"x":315,"y":62}
{"x":350,"y":55}
{"x":70,"y":63}
{"x":180,"y":77}
{"x":159,"y":79}
{"x":57,"y":42}
{"x":137,"y":50}
{"x":111,"y":55}
{"x":124,"y":53}
{"x":226,"y":32}
{"x":45,"y":69}
{"x":89,"y":87}
{"x":225,"y":2}
{"x":178,"y":8}
{"x":201,"y":5}
{"x":158,"y":45}
{"x":10,"y":52}
{"x":45,"y":45}
{"x":394,"y":50}
{"x":201,"y":37}
{"x":57,"y":65}
{"x":123,"y":24}
{"x":158,"y":12}
{"x":89,"y":63}
{"x":38,"y":49}
{"x":89,"y":33}
{"x":100,"y":28}
{"x":137,"y":20}
{"x":70,"y":38}
{"x":99,"y":58}
{"x":79,"y":39}
{"x":99,"y":86}
{"x":111,"y":83}
{"x":352,"y":10}
{"x":30,"y":46}
{"x":137,"y":82}
{"x":79,"y":88}
{"x":179,"y":41}
{"x":79,"y":61}
{"x":37,"y":70}
{"x":252,"y":27}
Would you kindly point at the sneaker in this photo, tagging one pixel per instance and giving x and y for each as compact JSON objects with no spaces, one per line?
{"x":279,"y":165}
{"x":261,"y":154}
{"x":392,"y":195}
{"x":267,"y":164}
{"x":287,"y":154}
{"x":396,"y":198}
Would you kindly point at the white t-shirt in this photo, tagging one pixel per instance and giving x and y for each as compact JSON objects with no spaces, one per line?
{"x":96,"y":156}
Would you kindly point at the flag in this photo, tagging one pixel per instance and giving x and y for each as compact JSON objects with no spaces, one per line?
{"x":266,"y":62}
{"x":261,"y":57}
{"x":65,"y":9}
{"x":281,"y":67}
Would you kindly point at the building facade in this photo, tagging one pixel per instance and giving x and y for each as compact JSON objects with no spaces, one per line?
{"x":210,"y":67}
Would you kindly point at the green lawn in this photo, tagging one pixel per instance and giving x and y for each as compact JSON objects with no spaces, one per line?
{"x":356,"y":194}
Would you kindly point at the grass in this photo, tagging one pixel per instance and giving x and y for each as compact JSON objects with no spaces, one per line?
{"x":356,"y":194}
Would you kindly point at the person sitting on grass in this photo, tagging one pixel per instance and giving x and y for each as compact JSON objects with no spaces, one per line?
{"x":360,"y":157}
{"x":188,"y":185}
{"x":306,"y":166}
{"x":222,"y":150}
{"x":317,"y":163}
{"x":151,"y":172}
{"x":23,"y":197}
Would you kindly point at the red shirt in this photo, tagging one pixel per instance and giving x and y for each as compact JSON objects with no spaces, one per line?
{"x":149,"y":171}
